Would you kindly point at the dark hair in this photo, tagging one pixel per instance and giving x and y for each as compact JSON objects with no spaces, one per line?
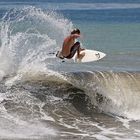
{"x":75,"y":31}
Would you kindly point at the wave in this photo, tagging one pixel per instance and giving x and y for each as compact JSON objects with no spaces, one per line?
{"x":30,"y":34}
{"x":40,"y":99}
{"x":119,"y":91}
{"x":27,"y":37}
{"x":114,"y":93}
{"x":29,"y":90}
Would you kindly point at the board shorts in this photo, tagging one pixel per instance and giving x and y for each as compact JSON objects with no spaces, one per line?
{"x":73,"y":50}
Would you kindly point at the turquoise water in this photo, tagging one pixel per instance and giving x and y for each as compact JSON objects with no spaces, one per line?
{"x":108,"y":26}
{"x":114,"y":32}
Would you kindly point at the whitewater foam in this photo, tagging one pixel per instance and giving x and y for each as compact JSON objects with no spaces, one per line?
{"x":29,"y":34}
{"x":14,"y":125}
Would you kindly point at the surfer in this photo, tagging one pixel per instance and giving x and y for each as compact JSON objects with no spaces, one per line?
{"x":70,"y":46}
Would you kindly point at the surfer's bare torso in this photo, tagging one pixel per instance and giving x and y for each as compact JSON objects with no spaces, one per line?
{"x":68,"y":43}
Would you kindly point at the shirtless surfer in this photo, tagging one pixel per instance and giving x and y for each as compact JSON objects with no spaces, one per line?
{"x":70,"y":47}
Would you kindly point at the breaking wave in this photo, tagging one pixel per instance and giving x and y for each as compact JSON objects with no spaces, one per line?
{"x":114,"y":93}
{"x":33,"y":95}
{"x":28,"y":35}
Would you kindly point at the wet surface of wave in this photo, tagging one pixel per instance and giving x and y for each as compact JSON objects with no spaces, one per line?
{"x":64,"y":107}
{"x":117,"y":89}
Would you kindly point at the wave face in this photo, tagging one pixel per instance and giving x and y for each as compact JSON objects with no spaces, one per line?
{"x":114,"y":93}
{"x":65,"y":105}
{"x":119,"y":91}
{"x":27,"y":37}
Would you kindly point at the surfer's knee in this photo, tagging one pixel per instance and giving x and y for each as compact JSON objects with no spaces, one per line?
{"x":77,"y":43}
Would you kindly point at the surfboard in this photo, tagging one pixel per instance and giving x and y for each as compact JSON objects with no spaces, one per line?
{"x":90,"y":55}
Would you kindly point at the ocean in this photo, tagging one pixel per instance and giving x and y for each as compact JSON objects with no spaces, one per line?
{"x":45,"y":99}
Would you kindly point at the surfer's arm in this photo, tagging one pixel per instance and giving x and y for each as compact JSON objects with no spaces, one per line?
{"x":74,"y":35}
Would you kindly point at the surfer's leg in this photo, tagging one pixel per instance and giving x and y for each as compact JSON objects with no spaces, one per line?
{"x":79,"y":54}
{"x":75,"y":48}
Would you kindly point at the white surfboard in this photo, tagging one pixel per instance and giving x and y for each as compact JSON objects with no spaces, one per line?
{"x":90,"y":55}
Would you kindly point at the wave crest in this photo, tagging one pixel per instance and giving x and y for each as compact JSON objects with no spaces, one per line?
{"x":28,"y":35}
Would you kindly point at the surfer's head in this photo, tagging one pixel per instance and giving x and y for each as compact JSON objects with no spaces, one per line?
{"x":76,"y":31}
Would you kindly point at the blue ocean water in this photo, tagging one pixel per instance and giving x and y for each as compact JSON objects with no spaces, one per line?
{"x":108,"y":26}
{"x":97,"y":100}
